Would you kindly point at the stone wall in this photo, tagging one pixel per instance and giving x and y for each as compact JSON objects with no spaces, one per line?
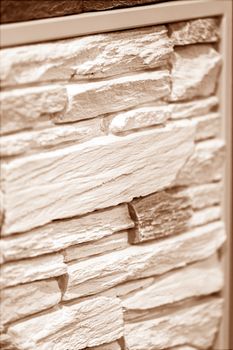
{"x":111,"y":182}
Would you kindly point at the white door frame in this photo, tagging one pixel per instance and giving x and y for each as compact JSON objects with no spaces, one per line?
{"x":96,"y":22}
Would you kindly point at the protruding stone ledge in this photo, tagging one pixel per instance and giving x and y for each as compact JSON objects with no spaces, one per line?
{"x":201,"y":30}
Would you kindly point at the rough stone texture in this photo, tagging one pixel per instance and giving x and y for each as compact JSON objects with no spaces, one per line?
{"x":25,"y":10}
{"x":159,"y":215}
{"x":49,"y":138}
{"x":202,"y":106}
{"x":205,"y":216}
{"x":77,"y":179}
{"x":113,"y":346}
{"x":89,"y":100}
{"x":196,"y":325}
{"x":59,"y":235}
{"x":21,"y":109}
{"x":195,"y":71}
{"x":205,"y":165}
{"x":102,"y":272}
{"x":108,"y":54}
{"x":139,"y":118}
{"x":88,"y":323}
{"x":201,"y":30}
{"x":110,"y":243}
{"x":30,"y":270}
{"x":207,"y":126}
{"x":201,"y":278}
{"x":23,"y":300}
{"x":205,"y":195}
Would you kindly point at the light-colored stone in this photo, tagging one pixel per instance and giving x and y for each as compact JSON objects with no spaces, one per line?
{"x":61,"y":234}
{"x":30,"y":270}
{"x":27,"y":299}
{"x":132,"y":286}
{"x":195,"y":70}
{"x":24,"y":108}
{"x":205,"y":164}
{"x":207,"y":126}
{"x":159,"y":215}
{"x":113,"y":346}
{"x":204,"y":216}
{"x":99,"y":273}
{"x":202,"y":278}
{"x":53,"y":137}
{"x":89,"y":100}
{"x":201,"y":30}
{"x":88,"y":323}
{"x":93,"y":56}
{"x":114,"y":242}
{"x":196,"y":325}
{"x":96,"y":174}
{"x":139,"y":118}
{"x":195,"y":108}
{"x":205,"y":195}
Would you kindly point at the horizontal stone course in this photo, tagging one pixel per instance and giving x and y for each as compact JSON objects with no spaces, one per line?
{"x":23,"y":300}
{"x":77,"y":179}
{"x":61,"y":234}
{"x":201,"y":278}
{"x":196,"y":325}
{"x":30,"y":270}
{"x":97,"y":274}
{"x":73,"y":327}
{"x":94,"y":56}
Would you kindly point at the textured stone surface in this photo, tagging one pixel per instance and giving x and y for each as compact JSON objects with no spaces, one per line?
{"x":113,"y":346}
{"x":81,"y":178}
{"x":207,"y":126}
{"x":201,"y":278}
{"x":195,"y":31}
{"x":206,"y":215}
{"x":93,"y":56}
{"x":196,"y":325}
{"x":205,"y":165}
{"x":30,"y":270}
{"x":27,"y":299}
{"x":89,"y":100}
{"x":158,"y":215}
{"x":205,"y":195}
{"x":100,"y":273}
{"x":88,"y":323}
{"x":110,"y":243}
{"x":59,"y":235}
{"x":25,"y":10}
{"x":21,"y":109}
{"x":199,"y":107}
{"x":48,"y":138}
{"x":139,"y":118}
{"x":195,"y":71}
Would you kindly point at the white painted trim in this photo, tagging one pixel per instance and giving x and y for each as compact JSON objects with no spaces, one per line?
{"x":76,"y":25}
{"x":105,"y":21}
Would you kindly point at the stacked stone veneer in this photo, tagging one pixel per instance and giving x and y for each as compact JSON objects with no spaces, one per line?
{"x":111,"y":186}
